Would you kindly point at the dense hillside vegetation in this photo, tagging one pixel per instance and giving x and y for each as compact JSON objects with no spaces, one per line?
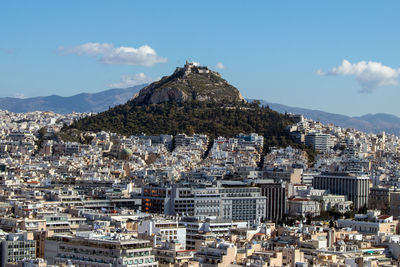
{"x":213,"y":119}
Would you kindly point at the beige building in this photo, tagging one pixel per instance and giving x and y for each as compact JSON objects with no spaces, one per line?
{"x":265,"y":259}
{"x":291,"y":256}
{"x":382,"y":224}
{"x":216,"y":254}
{"x":172,"y":255}
{"x":96,"y":249}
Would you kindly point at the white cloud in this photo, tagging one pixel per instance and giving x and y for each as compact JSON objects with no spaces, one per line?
{"x":220,"y":66}
{"x":20,"y":95}
{"x":132,"y":80}
{"x":370,"y":75}
{"x":108,"y":54}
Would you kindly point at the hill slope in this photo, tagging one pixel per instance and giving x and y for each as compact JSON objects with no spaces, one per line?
{"x":213,"y":119}
{"x":214,"y":108}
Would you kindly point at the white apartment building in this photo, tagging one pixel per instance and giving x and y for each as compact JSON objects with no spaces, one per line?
{"x":319,"y":141}
{"x":165,"y":230}
{"x":217,"y":227}
{"x":303,"y":207}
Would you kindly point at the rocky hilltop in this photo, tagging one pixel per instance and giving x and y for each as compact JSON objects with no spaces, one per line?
{"x":192,"y":82}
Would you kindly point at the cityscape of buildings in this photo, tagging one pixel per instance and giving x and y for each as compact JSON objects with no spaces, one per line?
{"x":191,"y":201}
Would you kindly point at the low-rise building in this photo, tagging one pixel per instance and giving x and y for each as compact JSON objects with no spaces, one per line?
{"x":303,"y":207}
{"x":172,"y":255}
{"x":379,"y":224}
{"x":164,"y":231}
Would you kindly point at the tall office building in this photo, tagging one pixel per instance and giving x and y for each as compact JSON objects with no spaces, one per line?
{"x":354,"y":187}
{"x":239,"y":202}
{"x":230,"y":200}
{"x":276,"y":199}
{"x":319,"y":141}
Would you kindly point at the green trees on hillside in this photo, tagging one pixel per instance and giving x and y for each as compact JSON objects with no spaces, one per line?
{"x":213,"y":119}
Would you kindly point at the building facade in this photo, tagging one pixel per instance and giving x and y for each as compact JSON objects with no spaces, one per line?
{"x":276,"y":200}
{"x":319,"y":141}
{"x":91,"y":249}
{"x":354,"y":187}
{"x":17,"y":247}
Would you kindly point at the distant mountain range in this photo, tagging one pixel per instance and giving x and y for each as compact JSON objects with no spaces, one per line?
{"x":370,"y":123}
{"x":83,"y":102}
{"x":101,"y":101}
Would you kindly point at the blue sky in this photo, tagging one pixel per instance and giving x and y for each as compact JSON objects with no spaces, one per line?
{"x":288,"y":52}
